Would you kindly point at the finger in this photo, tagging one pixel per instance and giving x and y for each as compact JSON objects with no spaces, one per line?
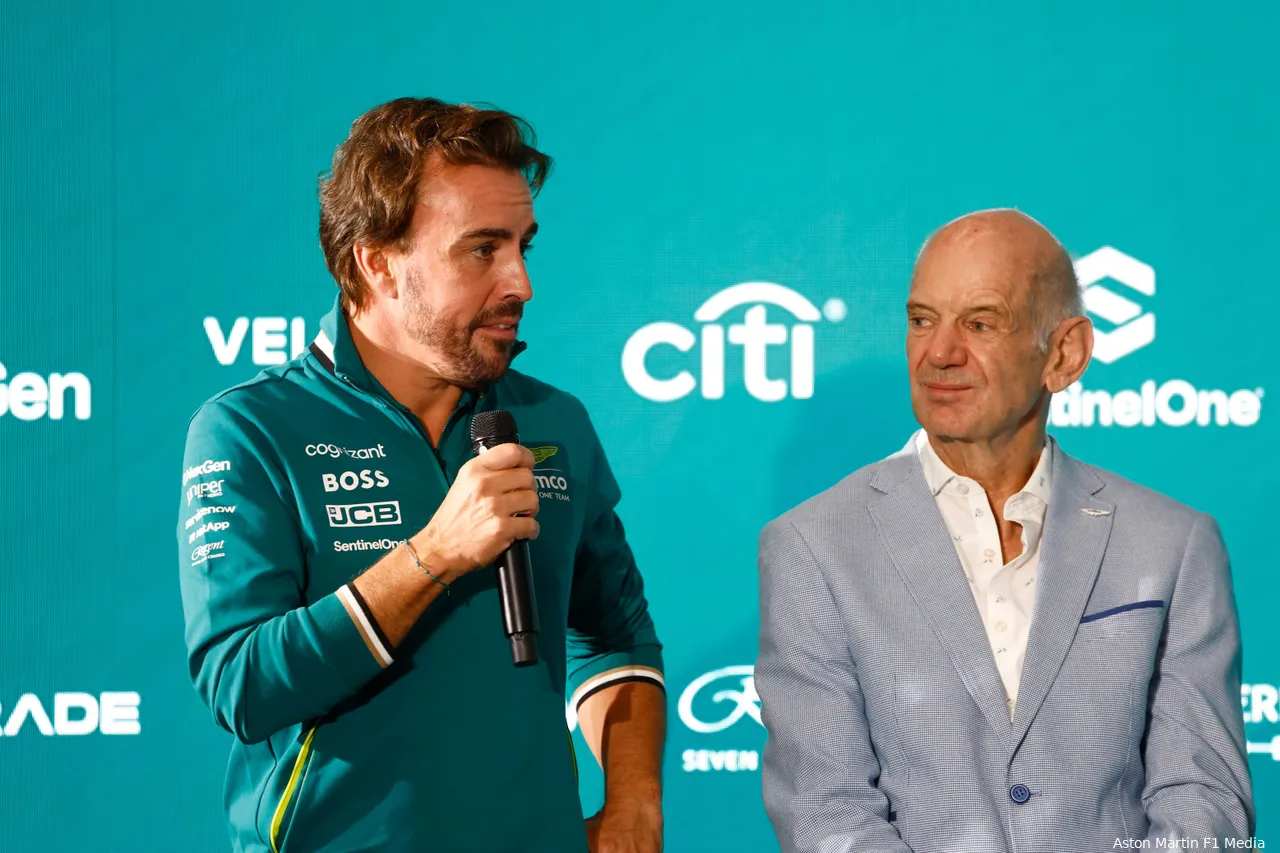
{"x":508,"y":480}
{"x":524,"y":528}
{"x":503,"y":456}
{"x":523,"y":502}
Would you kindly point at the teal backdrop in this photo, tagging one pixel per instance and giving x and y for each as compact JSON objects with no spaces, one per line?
{"x":158,"y":167}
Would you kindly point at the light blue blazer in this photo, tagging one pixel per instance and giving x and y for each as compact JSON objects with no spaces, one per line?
{"x":886,"y":717}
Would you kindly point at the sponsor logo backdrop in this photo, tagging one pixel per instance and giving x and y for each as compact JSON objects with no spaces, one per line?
{"x":720,"y":275}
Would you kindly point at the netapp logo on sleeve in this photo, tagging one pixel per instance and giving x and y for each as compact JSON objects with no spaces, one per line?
{"x":363,"y":515}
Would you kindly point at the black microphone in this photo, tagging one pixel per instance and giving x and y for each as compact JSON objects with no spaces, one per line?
{"x":515,"y":573}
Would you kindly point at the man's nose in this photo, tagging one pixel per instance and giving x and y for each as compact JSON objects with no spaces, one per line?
{"x":516,"y":285}
{"x":946,"y":347}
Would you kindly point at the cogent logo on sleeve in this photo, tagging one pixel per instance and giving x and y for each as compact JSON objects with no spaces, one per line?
{"x":363,"y":515}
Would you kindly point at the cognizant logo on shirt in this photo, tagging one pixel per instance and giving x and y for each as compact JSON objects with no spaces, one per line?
{"x":1111,"y":282}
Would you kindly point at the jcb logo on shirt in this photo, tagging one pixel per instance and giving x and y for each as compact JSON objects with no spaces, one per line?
{"x":363,"y":515}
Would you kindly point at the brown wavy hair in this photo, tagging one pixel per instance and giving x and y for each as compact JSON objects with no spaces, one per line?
{"x":369,"y":195}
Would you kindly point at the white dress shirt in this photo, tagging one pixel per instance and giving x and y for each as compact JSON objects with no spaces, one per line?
{"x":1004,"y":592}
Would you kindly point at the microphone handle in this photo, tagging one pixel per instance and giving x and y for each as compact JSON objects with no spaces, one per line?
{"x":516,"y":595}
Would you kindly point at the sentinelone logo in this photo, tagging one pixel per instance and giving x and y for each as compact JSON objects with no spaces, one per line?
{"x":30,"y":396}
{"x":110,"y":713}
{"x":755,"y":334}
{"x":1122,"y":327}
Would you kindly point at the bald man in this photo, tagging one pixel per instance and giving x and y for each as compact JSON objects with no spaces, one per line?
{"x":982,"y":643}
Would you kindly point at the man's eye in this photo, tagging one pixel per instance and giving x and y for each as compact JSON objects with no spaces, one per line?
{"x":979,"y":326}
{"x":916,"y":322}
{"x":525,"y":249}
{"x":484,"y":252}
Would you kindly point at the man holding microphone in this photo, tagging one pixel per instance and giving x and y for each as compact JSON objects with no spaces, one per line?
{"x":335,"y":525}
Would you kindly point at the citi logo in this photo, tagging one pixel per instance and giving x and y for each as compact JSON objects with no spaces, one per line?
{"x":755,"y":334}
{"x":273,"y":340}
{"x":30,"y":396}
{"x":1132,"y":329}
{"x":110,"y":713}
{"x":363,"y":515}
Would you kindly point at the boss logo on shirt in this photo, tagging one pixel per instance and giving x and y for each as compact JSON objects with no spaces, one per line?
{"x":349,"y":481}
{"x":363,"y":515}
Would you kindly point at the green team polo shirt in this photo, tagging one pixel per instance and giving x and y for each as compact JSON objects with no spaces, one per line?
{"x":293,"y":484}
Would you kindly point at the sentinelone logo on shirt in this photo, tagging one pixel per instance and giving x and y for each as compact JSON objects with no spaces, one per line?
{"x":1122,"y":327}
{"x":109,"y":713}
{"x":30,"y":396}
{"x":755,"y":334}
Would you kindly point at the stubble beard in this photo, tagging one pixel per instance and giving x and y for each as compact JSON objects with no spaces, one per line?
{"x":461,"y":361}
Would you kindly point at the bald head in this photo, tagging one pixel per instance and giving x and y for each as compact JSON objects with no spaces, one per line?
{"x":1023,"y":250}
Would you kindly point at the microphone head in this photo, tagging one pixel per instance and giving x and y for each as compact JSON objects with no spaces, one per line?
{"x":489,"y":429}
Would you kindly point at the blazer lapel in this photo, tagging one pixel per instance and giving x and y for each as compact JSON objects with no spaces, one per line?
{"x":1071,"y":550}
{"x":917,"y":540}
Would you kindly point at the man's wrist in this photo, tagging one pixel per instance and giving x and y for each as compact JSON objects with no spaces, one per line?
{"x":426,"y":560}
{"x":639,"y":792}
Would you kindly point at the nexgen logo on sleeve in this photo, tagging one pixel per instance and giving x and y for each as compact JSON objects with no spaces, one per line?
{"x":363,"y":515}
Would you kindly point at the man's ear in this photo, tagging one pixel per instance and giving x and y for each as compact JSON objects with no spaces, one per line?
{"x":377,"y":265}
{"x":1070,"y":349}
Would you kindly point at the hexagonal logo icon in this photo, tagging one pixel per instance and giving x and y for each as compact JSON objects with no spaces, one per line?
{"x":1133,"y":329}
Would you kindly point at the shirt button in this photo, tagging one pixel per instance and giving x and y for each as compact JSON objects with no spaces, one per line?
{"x":999,"y":599}
{"x":1019,"y":794}
{"x":989,"y":553}
{"x":962,"y":489}
{"x":1002,"y":626}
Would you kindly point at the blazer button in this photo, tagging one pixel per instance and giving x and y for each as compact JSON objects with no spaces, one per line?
{"x":1019,"y":794}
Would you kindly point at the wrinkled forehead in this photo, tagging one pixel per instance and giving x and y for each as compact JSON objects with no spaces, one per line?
{"x":956,"y":269}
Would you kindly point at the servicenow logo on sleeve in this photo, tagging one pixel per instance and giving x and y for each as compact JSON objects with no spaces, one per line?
{"x":29,"y":396}
{"x":1118,"y":293}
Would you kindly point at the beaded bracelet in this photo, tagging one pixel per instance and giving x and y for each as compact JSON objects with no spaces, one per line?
{"x":409,"y":548}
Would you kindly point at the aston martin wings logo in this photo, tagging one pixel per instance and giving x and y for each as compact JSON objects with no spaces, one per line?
{"x":542,"y":454}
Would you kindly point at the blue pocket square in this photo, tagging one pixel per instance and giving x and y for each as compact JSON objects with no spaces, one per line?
{"x":1123,"y":608}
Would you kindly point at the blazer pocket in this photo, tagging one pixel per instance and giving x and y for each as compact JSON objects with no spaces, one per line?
{"x":1135,"y":620}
